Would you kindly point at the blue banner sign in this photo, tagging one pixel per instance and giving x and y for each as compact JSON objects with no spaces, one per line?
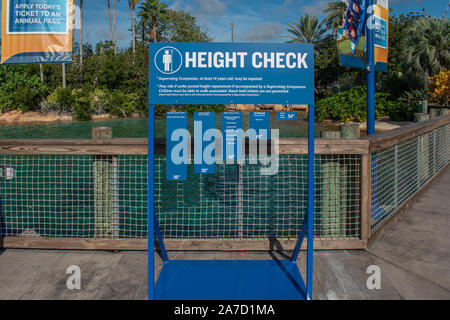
{"x":176,"y":145}
{"x":286,"y":115}
{"x":204,"y":142}
{"x":260,"y":123}
{"x":223,"y":73}
{"x":381,"y":33}
{"x":232,"y":135}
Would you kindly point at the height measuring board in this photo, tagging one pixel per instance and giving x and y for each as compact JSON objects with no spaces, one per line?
{"x":228,"y":73}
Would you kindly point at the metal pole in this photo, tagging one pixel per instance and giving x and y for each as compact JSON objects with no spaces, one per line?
{"x":370,"y":77}
{"x":232,"y":35}
{"x":150,"y":222}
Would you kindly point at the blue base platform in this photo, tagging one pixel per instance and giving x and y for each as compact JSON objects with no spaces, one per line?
{"x":230,"y":280}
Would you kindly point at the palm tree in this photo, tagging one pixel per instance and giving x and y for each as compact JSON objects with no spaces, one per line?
{"x":335,"y":17}
{"x":426,"y":50}
{"x":151,"y":11}
{"x":115,"y":26}
{"x":132,"y":4}
{"x":308,"y":30}
{"x":81,"y":33}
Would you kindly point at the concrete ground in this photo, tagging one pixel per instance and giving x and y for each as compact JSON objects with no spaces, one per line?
{"x":413,"y":256}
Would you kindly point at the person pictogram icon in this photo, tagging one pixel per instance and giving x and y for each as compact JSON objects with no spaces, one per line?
{"x":167,"y":61}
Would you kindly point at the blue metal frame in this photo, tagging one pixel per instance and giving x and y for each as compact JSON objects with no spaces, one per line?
{"x":169,"y":285}
{"x":310,"y":253}
{"x":151,"y":208}
{"x":370,"y":77}
{"x":279,"y":270}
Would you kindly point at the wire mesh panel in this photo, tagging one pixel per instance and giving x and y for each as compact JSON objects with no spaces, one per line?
{"x":400,"y":171}
{"x":78,"y":196}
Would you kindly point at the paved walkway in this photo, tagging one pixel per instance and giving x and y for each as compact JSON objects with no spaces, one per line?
{"x":413,"y":255}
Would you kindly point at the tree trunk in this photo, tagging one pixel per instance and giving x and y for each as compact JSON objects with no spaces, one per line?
{"x":110,"y":23}
{"x":63,"y":70}
{"x":115,"y":27}
{"x":81,"y":33}
{"x":41,"y":72}
{"x":133,"y":30}
{"x":154,"y":29}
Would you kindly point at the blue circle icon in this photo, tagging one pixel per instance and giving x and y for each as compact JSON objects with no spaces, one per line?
{"x":168,"y":60}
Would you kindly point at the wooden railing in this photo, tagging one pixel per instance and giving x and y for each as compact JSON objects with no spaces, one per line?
{"x":363,"y":147}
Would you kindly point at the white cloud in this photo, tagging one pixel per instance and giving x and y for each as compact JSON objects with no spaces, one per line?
{"x":316,"y":9}
{"x":263,"y":31}
{"x":210,"y":7}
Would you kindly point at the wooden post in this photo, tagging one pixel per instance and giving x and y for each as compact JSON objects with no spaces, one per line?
{"x":423,"y":106}
{"x":330,"y":134}
{"x":349,"y":131}
{"x":420,"y":117}
{"x":105,"y":189}
{"x":334,"y":192}
{"x":366,"y":204}
{"x":434,"y":113}
{"x":422,"y":148}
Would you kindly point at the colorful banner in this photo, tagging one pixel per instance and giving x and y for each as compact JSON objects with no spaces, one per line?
{"x":381,"y":40}
{"x":37,"y":31}
{"x":351,"y":37}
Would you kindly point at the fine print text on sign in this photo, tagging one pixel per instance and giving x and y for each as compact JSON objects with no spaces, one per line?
{"x":37,"y":17}
{"x":223,"y":73}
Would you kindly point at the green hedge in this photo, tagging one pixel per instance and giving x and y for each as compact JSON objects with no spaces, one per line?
{"x":351,"y":105}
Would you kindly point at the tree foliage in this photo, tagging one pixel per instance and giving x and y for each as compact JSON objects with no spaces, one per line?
{"x":307,"y":30}
{"x":335,"y":14}
{"x":425,"y":50}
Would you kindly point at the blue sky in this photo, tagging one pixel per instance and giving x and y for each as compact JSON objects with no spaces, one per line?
{"x":257,"y":20}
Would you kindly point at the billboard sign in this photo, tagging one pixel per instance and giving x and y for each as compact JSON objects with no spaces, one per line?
{"x":37,"y":31}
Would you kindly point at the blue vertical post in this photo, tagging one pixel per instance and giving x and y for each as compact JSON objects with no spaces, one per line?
{"x":151,"y":211}
{"x":370,"y":77}
{"x":310,"y":249}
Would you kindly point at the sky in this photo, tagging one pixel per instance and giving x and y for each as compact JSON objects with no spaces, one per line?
{"x":254,"y":20}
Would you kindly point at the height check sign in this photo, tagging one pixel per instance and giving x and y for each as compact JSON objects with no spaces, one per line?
{"x":223,"y":73}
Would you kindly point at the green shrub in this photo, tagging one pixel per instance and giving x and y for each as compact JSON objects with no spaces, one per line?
{"x":19,"y":89}
{"x":351,"y":105}
{"x":64,"y":98}
{"x":26,"y":99}
{"x":82,"y":105}
{"x":121,"y":104}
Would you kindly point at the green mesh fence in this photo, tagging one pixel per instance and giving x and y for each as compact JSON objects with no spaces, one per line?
{"x":106,"y":197}
{"x":400,"y":171}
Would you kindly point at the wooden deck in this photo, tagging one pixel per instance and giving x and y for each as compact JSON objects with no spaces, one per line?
{"x":414,"y":257}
